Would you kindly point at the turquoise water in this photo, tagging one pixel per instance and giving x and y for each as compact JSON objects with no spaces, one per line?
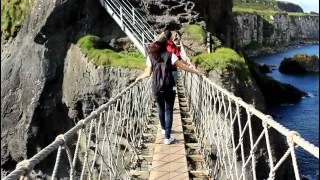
{"x":304,"y":115}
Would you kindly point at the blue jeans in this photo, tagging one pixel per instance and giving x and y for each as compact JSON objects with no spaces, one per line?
{"x":165,"y":104}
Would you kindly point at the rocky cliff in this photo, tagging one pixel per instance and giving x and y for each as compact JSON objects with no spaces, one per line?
{"x":32,"y":72}
{"x":258,"y":34}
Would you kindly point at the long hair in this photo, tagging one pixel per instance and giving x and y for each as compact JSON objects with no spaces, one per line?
{"x":156,"y":48}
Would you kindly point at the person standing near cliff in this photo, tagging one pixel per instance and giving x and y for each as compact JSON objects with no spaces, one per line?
{"x":160,"y":64}
{"x":172,"y":40}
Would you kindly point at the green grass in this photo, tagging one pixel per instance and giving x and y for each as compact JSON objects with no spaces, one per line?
{"x":194,"y":32}
{"x":304,"y":57}
{"x":13,"y":13}
{"x":92,"y":46}
{"x":303,"y":14}
{"x":223,"y":59}
{"x":266,"y":11}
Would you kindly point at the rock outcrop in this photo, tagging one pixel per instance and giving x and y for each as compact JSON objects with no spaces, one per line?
{"x":32,"y":69}
{"x":261,"y":35}
{"x":274,"y":91}
{"x":288,"y":6}
{"x":214,"y":15}
{"x":86,"y":86}
{"x":300,"y":63}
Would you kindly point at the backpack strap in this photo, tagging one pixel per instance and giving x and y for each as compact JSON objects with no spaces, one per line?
{"x":167,"y":58}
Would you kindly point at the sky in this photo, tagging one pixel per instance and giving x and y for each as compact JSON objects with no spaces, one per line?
{"x":307,"y":5}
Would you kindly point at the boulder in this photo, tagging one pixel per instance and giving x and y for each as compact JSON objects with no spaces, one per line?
{"x":275,"y":92}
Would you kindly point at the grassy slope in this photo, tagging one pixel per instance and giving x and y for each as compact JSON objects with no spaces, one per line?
{"x":266,"y":10}
{"x":195,"y":32}
{"x":91,"y":46}
{"x":13,"y":13}
{"x":222,"y":58}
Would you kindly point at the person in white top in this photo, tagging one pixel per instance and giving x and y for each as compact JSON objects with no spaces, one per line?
{"x":160,"y":63}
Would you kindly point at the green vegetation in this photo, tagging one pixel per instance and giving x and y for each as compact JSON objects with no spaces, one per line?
{"x":223,"y":59}
{"x":305,"y":57}
{"x":302,"y":14}
{"x":13,"y":13}
{"x":266,"y":9}
{"x":92,"y":46}
{"x":194,"y":32}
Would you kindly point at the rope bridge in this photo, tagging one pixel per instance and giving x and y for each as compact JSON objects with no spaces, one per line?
{"x":233,"y":135}
{"x":107,"y":142}
{"x":236,"y":133}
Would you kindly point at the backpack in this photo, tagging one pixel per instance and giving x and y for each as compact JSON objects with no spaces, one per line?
{"x":162,"y":78}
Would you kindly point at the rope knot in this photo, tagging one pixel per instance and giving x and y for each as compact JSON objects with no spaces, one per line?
{"x":24,"y":165}
{"x":269,"y":117}
{"x":252,"y":152}
{"x":291,"y":135}
{"x":61,"y":137}
{"x":251,"y":107}
{"x":265,"y":124}
{"x":95,"y":113}
{"x":271,"y":175}
{"x":81,"y":123}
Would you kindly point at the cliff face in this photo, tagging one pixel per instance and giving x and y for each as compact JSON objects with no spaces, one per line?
{"x":32,"y":69}
{"x":214,"y":15}
{"x":257,"y":34}
{"x":86,"y":86}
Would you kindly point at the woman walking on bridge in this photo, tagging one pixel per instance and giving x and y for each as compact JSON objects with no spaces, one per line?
{"x":161,"y":63}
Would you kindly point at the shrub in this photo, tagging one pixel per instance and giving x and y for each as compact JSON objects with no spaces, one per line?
{"x":223,"y":59}
{"x":92,"y":46}
{"x":13,"y":13}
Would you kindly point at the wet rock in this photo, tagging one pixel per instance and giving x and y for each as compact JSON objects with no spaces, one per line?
{"x":275,"y":92}
{"x":264,"y":68}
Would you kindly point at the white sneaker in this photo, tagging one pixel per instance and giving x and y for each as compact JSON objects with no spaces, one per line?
{"x":164,"y":133}
{"x":168,"y":141}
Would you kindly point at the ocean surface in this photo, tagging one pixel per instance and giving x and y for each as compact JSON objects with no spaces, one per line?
{"x":304,"y":115}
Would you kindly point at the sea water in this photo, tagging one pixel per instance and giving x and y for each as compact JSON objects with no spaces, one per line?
{"x":303,"y":116}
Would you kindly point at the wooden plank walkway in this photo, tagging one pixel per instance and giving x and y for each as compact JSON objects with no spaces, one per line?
{"x":169,"y":161}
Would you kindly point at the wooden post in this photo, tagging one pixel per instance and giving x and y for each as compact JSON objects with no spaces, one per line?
{"x":209,"y":42}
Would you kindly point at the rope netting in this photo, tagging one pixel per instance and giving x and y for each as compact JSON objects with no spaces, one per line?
{"x":235,"y":137}
{"x":105,"y":145}
{"x":237,"y":134}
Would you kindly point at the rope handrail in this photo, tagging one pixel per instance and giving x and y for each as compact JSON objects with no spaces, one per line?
{"x":219,"y":120}
{"x":143,"y":22}
{"x":134,"y":92}
{"x":136,"y":28}
{"x":312,"y":149}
